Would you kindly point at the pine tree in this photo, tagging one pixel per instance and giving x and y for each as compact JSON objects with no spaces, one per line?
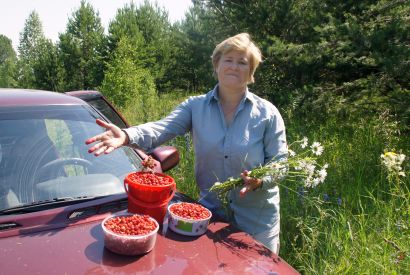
{"x":81,"y":49}
{"x":8,"y":60}
{"x":148,"y":29}
{"x":30,"y":40}
{"x":48,"y":69}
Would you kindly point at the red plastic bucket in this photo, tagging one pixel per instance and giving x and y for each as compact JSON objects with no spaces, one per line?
{"x":146,"y":199}
{"x":154,"y":210}
{"x":149,"y":193}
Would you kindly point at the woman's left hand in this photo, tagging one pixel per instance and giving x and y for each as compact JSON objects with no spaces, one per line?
{"x":250,"y":183}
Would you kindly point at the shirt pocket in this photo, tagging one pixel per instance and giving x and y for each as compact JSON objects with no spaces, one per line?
{"x":255,"y":131}
{"x":250,"y":146}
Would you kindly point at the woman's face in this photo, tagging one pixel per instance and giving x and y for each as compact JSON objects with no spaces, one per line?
{"x":233,"y":70}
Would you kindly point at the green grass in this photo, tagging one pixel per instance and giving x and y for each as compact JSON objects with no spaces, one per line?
{"x":357,"y":222}
{"x":363,"y":227}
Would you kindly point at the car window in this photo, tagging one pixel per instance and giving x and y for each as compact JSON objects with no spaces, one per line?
{"x":107,"y":111}
{"x":44,"y":156}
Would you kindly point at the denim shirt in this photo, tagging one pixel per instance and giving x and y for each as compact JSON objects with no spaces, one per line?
{"x":255,"y":136}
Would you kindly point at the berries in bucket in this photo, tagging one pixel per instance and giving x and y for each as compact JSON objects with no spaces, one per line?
{"x":130,"y":234}
{"x":149,"y":193}
{"x":150,"y":187}
{"x":190,"y":219}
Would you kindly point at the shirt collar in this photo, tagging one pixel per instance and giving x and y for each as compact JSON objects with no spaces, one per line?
{"x":213,"y":95}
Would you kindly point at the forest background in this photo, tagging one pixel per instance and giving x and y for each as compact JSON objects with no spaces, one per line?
{"x":338,"y":71}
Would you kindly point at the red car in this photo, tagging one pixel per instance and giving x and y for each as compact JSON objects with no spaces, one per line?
{"x":54,"y":196}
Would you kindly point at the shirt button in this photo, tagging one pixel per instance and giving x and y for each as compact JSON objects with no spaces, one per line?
{"x":226,"y":157}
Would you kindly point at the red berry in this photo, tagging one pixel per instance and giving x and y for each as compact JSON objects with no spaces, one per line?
{"x":190,"y":211}
{"x":125,"y":225}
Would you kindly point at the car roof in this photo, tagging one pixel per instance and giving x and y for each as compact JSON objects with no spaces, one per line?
{"x":87,"y":94}
{"x":26,"y":97}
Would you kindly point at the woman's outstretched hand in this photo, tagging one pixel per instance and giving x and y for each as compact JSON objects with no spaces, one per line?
{"x":250,"y":183}
{"x":108,"y":141}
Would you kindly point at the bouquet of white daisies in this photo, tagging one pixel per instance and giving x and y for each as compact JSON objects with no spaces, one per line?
{"x":301,"y":166}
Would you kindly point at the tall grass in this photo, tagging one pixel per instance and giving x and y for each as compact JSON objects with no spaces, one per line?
{"x":357,"y":222}
{"x":361,"y":223}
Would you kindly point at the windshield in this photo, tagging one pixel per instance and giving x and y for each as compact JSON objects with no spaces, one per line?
{"x":44,"y":156}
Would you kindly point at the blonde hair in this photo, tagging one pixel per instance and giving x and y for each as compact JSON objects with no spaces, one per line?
{"x":240,"y":42}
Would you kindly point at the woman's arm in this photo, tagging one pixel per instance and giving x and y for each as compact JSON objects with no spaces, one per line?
{"x":275,"y":145}
{"x":275,"y":148}
{"x":152,"y":134}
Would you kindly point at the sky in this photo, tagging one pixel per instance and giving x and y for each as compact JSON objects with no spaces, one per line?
{"x":54,"y":14}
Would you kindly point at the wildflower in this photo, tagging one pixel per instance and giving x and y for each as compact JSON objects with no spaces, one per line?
{"x":317,"y":149}
{"x":315,"y":182}
{"x":301,"y":168}
{"x":310,"y":169}
{"x":393,"y":162}
{"x":301,"y":191}
{"x":304,"y":143}
{"x":276,"y":167}
{"x":308,"y":182}
{"x":322,"y":174}
{"x":307,"y":165}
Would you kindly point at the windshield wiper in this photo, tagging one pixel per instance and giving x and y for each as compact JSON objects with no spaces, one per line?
{"x":46,"y":204}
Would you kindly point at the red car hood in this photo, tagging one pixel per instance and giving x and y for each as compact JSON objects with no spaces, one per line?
{"x":61,"y":247}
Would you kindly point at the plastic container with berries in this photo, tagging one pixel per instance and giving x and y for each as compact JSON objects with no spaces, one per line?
{"x":191,"y":219}
{"x":130,"y":234}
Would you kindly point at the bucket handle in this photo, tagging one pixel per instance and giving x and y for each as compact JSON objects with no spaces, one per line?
{"x":125,"y":187}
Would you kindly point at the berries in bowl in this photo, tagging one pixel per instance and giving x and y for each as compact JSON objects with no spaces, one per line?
{"x":130,"y":234}
{"x":189,"y":219}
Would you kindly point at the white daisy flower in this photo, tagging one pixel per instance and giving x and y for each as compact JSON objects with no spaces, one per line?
{"x":317,"y":148}
{"x":304,"y":142}
{"x":315,"y":182}
{"x":322,"y":175}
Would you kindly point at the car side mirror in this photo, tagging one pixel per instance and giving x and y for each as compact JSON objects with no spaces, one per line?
{"x":168,"y":156}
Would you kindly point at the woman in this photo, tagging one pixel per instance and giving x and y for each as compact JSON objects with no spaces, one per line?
{"x":233,"y":130}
